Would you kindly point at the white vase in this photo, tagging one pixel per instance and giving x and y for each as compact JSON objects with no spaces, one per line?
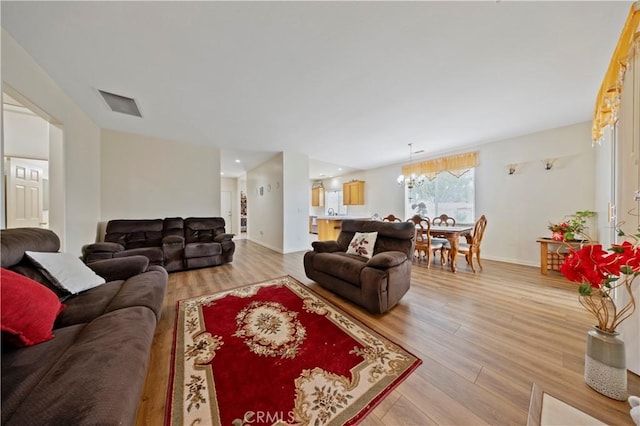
{"x":605,"y":365}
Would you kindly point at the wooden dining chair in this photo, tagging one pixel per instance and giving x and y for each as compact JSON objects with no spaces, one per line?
{"x":473,"y":243}
{"x":391,"y":218}
{"x":424,"y":244}
{"x":442,"y":220}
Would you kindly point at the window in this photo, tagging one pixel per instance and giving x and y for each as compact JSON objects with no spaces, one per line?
{"x":446,"y":193}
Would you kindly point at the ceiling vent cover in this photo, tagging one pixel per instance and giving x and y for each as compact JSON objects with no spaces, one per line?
{"x":121,"y":104}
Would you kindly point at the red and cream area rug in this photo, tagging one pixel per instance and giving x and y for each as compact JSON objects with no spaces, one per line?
{"x":276,"y":353}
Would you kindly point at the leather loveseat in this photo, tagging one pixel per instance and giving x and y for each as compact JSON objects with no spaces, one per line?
{"x":378,"y":283}
{"x":174,"y":243}
{"x":92,"y":370}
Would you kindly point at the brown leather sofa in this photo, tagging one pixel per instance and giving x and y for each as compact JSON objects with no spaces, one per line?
{"x":376,"y":284}
{"x":174,"y":243}
{"x":93,"y":370}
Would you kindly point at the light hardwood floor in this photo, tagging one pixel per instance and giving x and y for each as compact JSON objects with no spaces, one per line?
{"x":484,"y":339}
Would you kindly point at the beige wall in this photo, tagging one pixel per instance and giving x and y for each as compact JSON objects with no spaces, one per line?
{"x":25,"y":133}
{"x":295,"y":202}
{"x":80,"y":151}
{"x":265,"y":211}
{"x":145,"y":178}
{"x":518,"y":207}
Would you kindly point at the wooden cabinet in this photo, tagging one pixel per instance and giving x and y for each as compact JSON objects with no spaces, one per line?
{"x":353,"y":193}
{"x":317,"y":197}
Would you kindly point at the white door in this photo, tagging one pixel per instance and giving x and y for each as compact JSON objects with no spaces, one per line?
{"x":225,"y":210}
{"x":24,"y":193}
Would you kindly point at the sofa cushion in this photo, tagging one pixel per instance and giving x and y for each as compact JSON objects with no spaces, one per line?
{"x":66,"y":271}
{"x":341,"y":265}
{"x":203,"y":229}
{"x":89,"y":305}
{"x":145,"y":289}
{"x":22,"y":370}
{"x":135,"y":233}
{"x":202,"y":249}
{"x":28,"y":309}
{"x":98,"y":379}
{"x":363,"y":244}
{"x":154,"y":254}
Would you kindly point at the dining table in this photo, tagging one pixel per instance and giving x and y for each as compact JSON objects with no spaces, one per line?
{"x":452,"y":234}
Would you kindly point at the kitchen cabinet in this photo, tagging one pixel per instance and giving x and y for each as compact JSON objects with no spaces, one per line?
{"x":353,"y":193}
{"x":317,"y":197}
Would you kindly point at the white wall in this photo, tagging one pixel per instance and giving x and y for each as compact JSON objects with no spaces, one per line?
{"x":81,"y":151}
{"x":518,"y":207}
{"x":146,"y":178}
{"x":25,"y":134}
{"x":295,"y":199}
{"x":231,"y":185}
{"x":265,"y":211}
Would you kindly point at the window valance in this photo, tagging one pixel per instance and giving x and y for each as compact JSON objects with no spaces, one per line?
{"x":455,"y":164}
{"x":608,"y":100}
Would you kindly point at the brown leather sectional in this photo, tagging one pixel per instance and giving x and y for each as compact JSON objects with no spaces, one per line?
{"x":174,"y":243}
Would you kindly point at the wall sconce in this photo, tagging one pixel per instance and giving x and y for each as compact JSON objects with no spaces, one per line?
{"x":512,"y":168}
{"x":548,"y":163}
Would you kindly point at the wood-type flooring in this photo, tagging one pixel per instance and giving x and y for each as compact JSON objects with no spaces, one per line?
{"x":484,"y":339}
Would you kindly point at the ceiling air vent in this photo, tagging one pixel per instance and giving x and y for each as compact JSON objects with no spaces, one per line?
{"x":121,"y":104}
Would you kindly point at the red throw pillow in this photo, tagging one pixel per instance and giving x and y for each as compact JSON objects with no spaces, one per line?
{"x":28,"y":309}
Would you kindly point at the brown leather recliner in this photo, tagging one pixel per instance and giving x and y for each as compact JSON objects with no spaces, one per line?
{"x":377,"y":284}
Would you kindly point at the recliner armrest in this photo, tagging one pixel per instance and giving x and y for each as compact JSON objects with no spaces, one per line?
{"x":387,"y":259}
{"x":223,"y":237}
{"x":102,"y":247}
{"x":120,"y":268}
{"x":325,"y":246}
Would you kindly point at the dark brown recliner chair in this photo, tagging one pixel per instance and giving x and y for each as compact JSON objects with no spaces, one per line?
{"x":377,"y":284}
{"x":206,"y":243}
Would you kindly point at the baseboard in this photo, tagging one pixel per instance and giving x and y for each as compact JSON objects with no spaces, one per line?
{"x":510,"y":260}
{"x":263,"y":244}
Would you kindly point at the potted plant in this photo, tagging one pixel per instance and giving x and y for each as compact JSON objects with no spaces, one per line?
{"x":600,"y":272}
{"x":574,"y":226}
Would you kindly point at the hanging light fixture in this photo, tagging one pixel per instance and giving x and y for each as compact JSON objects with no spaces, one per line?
{"x":412,"y":180}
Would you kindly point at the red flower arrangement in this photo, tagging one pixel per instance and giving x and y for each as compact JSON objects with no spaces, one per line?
{"x":573,"y":227}
{"x":599,"y":273}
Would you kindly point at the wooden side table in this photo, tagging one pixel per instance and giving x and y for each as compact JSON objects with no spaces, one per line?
{"x":550,"y":257}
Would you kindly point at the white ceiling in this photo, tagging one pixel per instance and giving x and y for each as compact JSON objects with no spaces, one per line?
{"x":349,"y":84}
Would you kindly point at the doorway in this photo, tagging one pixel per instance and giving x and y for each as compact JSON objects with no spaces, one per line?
{"x":31,"y":136}
{"x":27,"y":189}
{"x":225,"y":208}
{"x":26,"y":165}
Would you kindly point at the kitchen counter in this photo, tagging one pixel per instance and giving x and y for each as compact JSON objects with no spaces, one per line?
{"x":329,"y":226}
{"x":344,"y":217}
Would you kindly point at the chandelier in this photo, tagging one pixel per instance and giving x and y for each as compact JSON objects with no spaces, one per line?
{"x":412,"y":180}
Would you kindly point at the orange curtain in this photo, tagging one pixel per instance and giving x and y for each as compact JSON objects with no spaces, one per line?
{"x":455,"y":164}
{"x":608,"y":100}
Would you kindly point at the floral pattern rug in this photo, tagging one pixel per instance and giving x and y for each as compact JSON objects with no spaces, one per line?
{"x":277,"y":353}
